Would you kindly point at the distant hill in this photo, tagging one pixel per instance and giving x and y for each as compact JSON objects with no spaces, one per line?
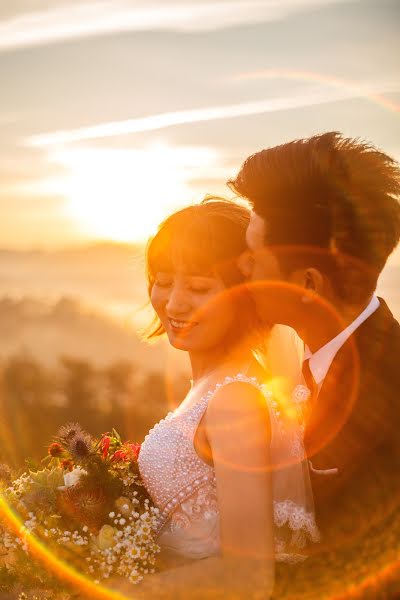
{"x":90,"y":301}
{"x":107,"y":276}
{"x":47,"y":331}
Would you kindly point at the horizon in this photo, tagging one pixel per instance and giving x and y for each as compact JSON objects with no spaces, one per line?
{"x":393,"y":260}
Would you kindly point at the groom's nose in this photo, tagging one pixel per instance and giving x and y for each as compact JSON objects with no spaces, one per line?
{"x":246,"y":263}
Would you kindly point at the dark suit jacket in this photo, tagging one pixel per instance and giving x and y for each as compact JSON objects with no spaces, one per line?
{"x":355,"y":428}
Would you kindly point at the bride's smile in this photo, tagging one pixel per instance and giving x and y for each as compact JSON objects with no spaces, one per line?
{"x":192,"y":309}
{"x":183,"y":325}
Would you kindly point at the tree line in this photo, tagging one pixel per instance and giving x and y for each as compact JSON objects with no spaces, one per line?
{"x":35,"y":401}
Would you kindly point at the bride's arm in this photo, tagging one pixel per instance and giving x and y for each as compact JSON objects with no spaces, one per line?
{"x":238,"y":430}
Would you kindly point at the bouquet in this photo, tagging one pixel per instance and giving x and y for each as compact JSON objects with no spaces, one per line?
{"x":87,"y":504}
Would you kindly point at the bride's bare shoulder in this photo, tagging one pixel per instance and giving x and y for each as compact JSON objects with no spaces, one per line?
{"x":238,"y":430}
{"x":237,"y":402}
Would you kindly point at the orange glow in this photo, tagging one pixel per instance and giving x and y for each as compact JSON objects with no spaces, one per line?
{"x":60,"y":568}
{"x":123,"y":194}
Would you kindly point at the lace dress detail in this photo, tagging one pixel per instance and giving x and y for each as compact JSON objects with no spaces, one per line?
{"x":183,"y":486}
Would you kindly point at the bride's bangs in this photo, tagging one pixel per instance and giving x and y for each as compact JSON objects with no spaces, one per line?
{"x":193,"y":250}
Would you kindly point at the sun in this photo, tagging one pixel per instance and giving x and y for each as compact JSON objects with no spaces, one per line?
{"x":123,"y":194}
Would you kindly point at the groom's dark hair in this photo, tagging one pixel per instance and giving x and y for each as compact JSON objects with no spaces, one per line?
{"x":330,"y":197}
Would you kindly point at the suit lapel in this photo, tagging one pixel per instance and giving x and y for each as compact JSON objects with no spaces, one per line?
{"x":331,"y":408}
{"x":372,"y":336}
{"x":346,"y":389}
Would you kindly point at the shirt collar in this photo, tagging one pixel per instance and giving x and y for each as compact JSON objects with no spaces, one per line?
{"x":321,"y":360}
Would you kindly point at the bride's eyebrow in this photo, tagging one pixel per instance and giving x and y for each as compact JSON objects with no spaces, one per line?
{"x":200,"y":279}
{"x":168,"y":271}
{"x":209,"y":274}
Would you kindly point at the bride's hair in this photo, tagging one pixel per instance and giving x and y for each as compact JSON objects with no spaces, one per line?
{"x":206,"y":239}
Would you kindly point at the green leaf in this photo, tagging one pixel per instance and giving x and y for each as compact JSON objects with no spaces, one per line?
{"x":52,"y":478}
{"x":116,"y":434}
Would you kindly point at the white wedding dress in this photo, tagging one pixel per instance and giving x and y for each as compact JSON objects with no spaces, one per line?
{"x":183,"y":486}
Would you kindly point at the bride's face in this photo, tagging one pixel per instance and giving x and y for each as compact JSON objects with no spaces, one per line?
{"x":194,"y":311}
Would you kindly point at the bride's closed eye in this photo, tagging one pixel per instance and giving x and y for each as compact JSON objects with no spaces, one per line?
{"x":197,"y":285}
{"x":200,"y":285}
{"x":163,"y":281}
{"x":200,"y":289}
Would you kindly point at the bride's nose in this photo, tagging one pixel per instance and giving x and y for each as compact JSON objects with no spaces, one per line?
{"x":177,"y":302}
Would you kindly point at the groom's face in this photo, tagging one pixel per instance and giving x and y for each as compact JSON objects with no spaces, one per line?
{"x":275,"y":302}
{"x":259,"y":263}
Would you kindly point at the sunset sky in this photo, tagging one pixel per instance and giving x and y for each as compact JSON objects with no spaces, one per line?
{"x":115,"y":112}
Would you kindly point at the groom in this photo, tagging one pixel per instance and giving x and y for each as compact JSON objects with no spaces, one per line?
{"x":325,"y":219}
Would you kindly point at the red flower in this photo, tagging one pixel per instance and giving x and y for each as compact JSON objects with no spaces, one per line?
{"x":135,"y":449}
{"x":67,"y":464}
{"x":120,"y":455}
{"x":128,"y":452}
{"x":55,"y":450}
{"x":105,"y":445}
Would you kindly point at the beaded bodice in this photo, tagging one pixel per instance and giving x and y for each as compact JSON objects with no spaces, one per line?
{"x":169,"y":464}
{"x":183,"y":486}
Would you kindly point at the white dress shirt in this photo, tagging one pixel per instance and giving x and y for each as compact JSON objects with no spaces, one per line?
{"x":321,"y":360}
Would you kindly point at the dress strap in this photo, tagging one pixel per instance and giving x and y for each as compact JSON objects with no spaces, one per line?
{"x":238,"y":378}
{"x":264,"y":389}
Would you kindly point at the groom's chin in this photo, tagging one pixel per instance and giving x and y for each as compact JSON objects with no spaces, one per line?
{"x":277,"y":301}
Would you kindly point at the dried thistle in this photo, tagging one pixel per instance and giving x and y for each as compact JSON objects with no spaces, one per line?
{"x":80,"y":446}
{"x":69,"y":431}
{"x":87,"y":506}
{"x":43,"y":497}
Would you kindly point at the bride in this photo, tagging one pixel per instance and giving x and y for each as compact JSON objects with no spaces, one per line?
{"x":226,"y":468}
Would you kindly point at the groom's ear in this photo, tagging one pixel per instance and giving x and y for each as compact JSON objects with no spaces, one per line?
{"x":310,"y":279}
{"x":314,"y":281}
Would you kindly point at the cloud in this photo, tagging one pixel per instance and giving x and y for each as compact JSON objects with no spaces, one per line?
{"x":83,"y":19}
{"x":212,"y":113}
